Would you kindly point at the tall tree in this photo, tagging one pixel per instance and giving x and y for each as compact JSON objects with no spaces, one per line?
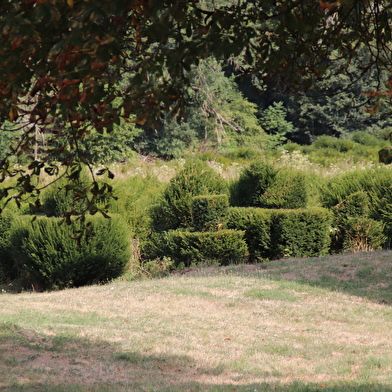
{"x":62,"y":60}
{"x":216,"y":114}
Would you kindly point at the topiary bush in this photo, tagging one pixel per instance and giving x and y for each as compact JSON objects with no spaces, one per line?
{"x":289,"y":191}
{"x":363,"y":234}
{"x":353,"y":229}
{"x":254,"y":181}
{"x":209,"y":212}
{"x":339,"y":187}
{"x":175,"y":207}
{"x":265,"y":186}
{"x":256,"y":222}
{"x":186,"y":248}
{"x":273,"y":234}
{"x":301,"y":232}
{"x":361,"y":194}
{"x":48,"y":257}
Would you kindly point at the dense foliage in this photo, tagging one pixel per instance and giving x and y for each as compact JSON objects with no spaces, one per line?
{"x":93,"y":82}
{"x":48,"y":257}
{"x":175,"y":207}
{"x":70,"y":68}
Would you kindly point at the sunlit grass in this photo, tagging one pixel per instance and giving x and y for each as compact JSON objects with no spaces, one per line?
{"x":265,"y":327}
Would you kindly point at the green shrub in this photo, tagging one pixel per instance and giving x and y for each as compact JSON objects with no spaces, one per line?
{"x":273,"y":234}
{"x":49,"y":258}
{"x":354,"y":230}
{"x":289,"y":190}
{"x":357,"y":204}
{"x":7,"y":268}
{"x":301,"y":233}
{"x":339,"y":187}
{"x":252,"y":184}
{"x":256,"y":223}
{"x":186,"y":248}
{"x":263,"y":185}
{"x":363,"y":234}
{"x":209,"y":212}
{"x":58,"y":198}
{"x":363,"y":194}
{"x":135,"y":196}
{"x":365,"y":138}
{"x":330,"y":142}
{"x":175,"y":208}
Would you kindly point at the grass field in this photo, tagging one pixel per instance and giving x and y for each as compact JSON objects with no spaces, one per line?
{"x":292,"y":325}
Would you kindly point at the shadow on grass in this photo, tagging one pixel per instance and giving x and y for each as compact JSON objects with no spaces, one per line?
{"x":366,"y":274}
{"x":31,"y":362}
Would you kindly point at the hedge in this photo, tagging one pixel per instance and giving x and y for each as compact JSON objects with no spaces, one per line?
{"x":209,"y":212}
{"x":301,"y":233}
{"x":273,"y":234}
{"x":256,"y":222}
{"x":186,"y":248}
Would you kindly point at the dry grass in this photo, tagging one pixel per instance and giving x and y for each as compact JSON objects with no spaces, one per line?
{"x":233,"y":329}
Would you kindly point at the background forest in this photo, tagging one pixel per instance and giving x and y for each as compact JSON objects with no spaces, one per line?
{"x":225,"y":112}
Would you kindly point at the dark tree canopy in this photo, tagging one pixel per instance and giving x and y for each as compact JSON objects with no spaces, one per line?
{"x":70,"y":66}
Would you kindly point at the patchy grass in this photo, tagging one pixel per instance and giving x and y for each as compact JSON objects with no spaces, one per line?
{"x":289,"y":326}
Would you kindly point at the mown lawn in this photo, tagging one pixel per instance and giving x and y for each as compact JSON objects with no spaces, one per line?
{"x":293,"y":325}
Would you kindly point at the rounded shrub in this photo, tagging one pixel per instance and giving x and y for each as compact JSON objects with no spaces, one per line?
{"x":288,"y":191}
{"x":49,"y":256}
{"x":175,"y":207}
{"x":330,"y":142}
{"x":365,"y":138}
{"x":59,"y":198}
{"x":254,"y":181}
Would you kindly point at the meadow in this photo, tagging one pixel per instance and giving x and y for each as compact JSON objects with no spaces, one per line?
{"x":293,"y":325}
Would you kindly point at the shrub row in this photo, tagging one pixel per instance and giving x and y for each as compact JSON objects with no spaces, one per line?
{"x":273,"y":234}
{"x":45,"y":254}
{"x":185,"y":248}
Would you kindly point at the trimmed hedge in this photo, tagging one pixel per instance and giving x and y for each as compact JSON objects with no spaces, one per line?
{"x":273,"y":234}
{"x":174,"y":210}
{"x":354,"y":228}
{"x":288,"y":191}
{"x":256,"y":222}
{"x":301,"y":233}
{"x":254,"y":181}
{"x":185,"y":248}
{"x":49,"y":258}
{"x":209,"y":212}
